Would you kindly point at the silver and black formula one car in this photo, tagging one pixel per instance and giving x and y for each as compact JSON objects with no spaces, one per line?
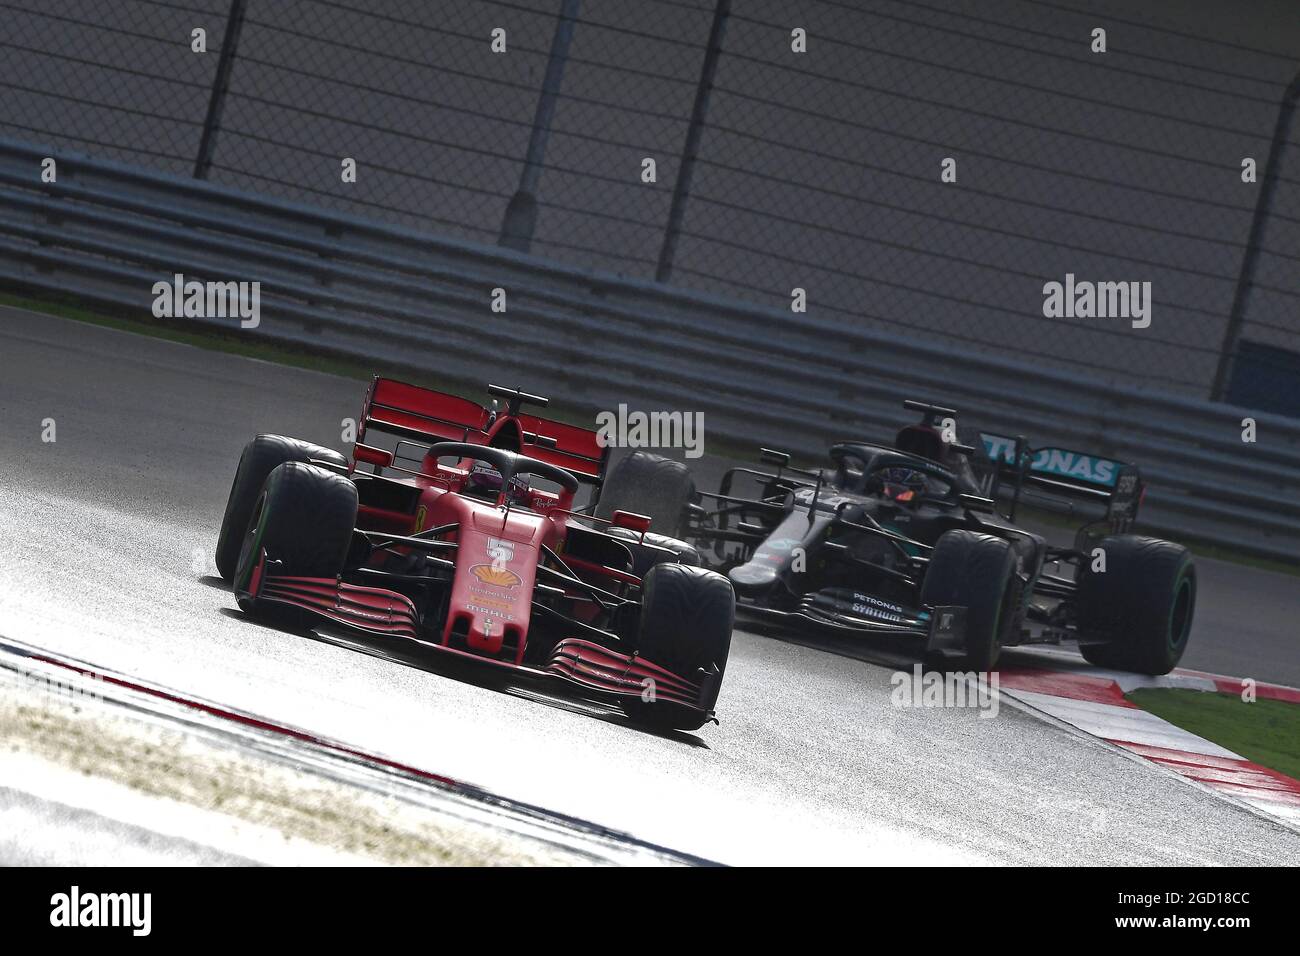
{"x":905,"y":540}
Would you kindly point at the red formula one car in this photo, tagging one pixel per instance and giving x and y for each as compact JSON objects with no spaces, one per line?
{"x":464,"y":537}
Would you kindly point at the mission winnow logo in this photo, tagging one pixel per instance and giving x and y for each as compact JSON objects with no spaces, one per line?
{"x":77,"y":909}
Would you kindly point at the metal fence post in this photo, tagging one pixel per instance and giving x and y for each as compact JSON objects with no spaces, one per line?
{"x":521,"y":213}
{"x":220,"y":83}
{"x":677,"y":211}
{"x":1263,"y":205}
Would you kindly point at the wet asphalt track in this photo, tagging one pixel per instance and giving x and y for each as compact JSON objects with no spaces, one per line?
{"x":99,"y":534}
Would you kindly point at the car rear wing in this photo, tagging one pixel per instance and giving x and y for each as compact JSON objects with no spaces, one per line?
{"x":571,"y":447}
{"x":424,"y":415}
{"x":1066,"y":473}
{"x":421,"y":414}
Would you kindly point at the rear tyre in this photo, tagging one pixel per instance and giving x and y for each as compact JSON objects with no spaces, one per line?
{"x":1140,"y":607}
{"x":260,"y":457}
{"x":650,"y":485}
{"x":304,"y":520}
{"x":687,"y":614}
{"x":976,"y":571}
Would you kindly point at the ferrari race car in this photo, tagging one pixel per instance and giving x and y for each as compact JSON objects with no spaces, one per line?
{"x":905,"y":540}
{"x":464,"y":537}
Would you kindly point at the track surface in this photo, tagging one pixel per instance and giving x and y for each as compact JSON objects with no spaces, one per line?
{"x":36,"y":832}
{"x":99,"y":537}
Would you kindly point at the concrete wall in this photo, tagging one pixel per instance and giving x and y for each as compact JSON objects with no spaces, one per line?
{"x":818,"y":170}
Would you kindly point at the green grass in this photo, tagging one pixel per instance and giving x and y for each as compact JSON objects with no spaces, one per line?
{"x":1266,"y":731}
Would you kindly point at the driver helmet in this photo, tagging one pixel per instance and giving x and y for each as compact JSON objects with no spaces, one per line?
{"x":484,"y":481}
{"x":901,"y":483}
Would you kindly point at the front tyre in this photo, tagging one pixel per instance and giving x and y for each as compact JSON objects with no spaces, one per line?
{"x":260,"y":457}
{"x":687,"y":614}
{"x":976,"y":571}
{"x":303,"y":521}
{"x":1136,"y":615}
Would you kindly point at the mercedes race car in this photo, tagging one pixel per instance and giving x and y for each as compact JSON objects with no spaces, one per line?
{"x":465,"y":537}
{"x":905,"y":540}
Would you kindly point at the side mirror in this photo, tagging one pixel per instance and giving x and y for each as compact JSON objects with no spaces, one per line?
{"x":976,"y":503}
{"x":372,"y":456}
{"x":771,"y":457}
{"x":633,"y":522}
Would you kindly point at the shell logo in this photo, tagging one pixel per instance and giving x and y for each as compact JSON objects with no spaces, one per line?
{"x":499,"y":577}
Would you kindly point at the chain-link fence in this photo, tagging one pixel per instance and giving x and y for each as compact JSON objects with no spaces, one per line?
{"x":794,"y":145}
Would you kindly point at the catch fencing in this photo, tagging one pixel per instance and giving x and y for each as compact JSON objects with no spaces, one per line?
{"x":795,"y":146}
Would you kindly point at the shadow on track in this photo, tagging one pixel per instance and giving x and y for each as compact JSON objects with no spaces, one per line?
{"x":881,"y":652}
{"x":522,"y":686}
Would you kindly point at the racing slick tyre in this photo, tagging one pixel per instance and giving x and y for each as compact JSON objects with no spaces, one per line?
{"x":650,"y":485}
{"x":649,"y":550}
{"x":1140,"y":607}
{"x":686,"y":618}
{"x":261,"y":456}
{"x":304,"y":520}
{"x":976,"y":571}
